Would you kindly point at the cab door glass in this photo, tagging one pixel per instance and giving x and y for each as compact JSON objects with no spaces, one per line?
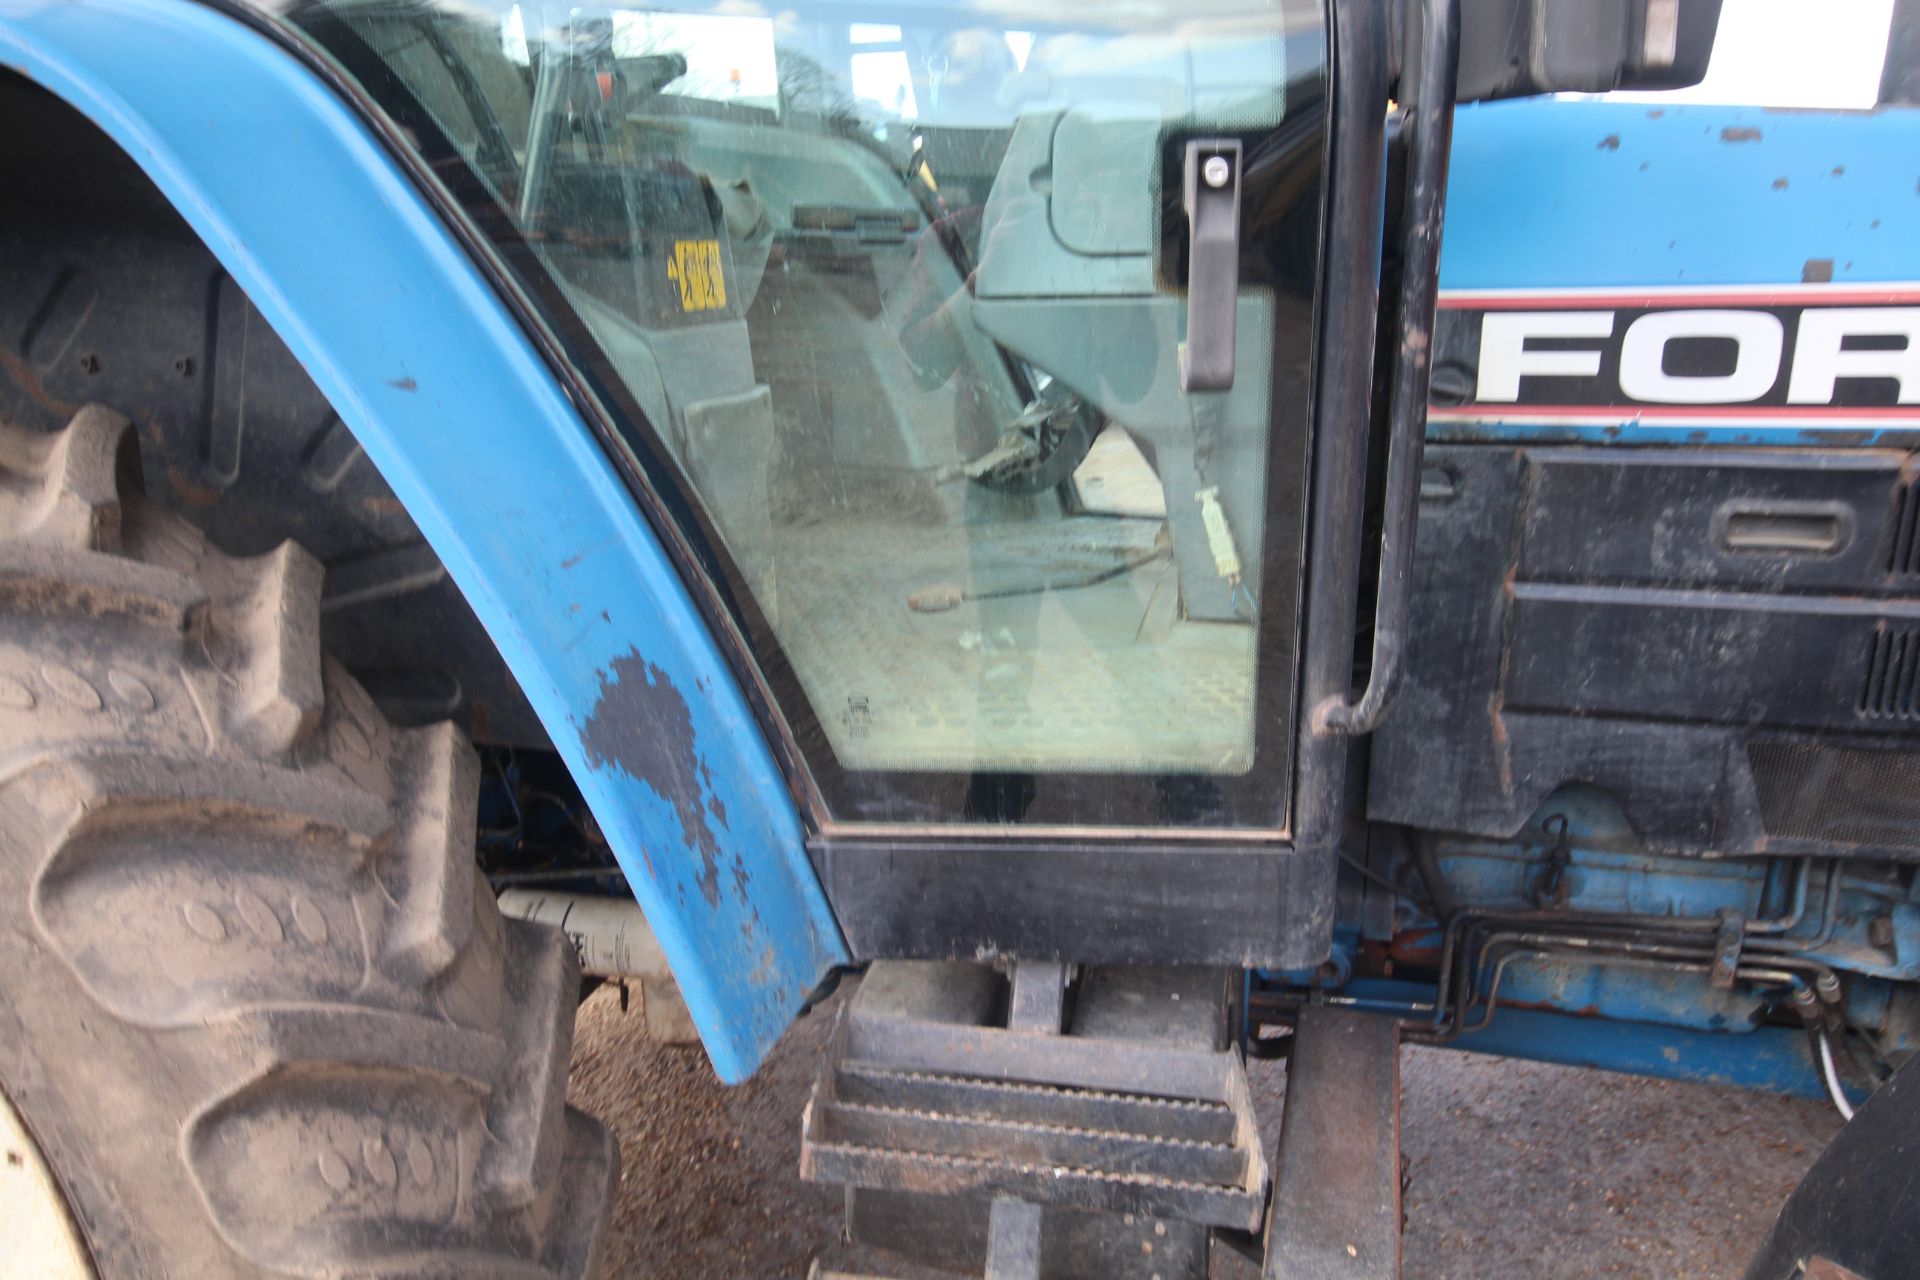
{"x":899,"y":294}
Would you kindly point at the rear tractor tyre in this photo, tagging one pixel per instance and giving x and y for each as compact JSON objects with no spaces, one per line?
{"x":258,"y":1011}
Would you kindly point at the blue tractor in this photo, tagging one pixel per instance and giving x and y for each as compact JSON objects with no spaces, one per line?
{"x":1019,"y":501}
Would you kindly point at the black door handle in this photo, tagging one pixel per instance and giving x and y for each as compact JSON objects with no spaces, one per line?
{"x":1211,"y":196}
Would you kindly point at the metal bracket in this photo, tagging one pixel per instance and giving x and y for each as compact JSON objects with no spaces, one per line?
{"x":1039,"y":996}
{"x":1038,"y":1003}
{"x":1551,"y":890}
{"x":1728,"y":940}
{"x":1013,"y":1240}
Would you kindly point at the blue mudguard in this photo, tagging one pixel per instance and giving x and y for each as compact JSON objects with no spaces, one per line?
{"x":419,"y":356}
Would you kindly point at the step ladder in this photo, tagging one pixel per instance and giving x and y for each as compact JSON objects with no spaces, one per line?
{"x":1105,"y":1139}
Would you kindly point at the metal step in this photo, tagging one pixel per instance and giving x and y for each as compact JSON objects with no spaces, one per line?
{"x":1048,"y":1119}
{"x":1336,"y":1196}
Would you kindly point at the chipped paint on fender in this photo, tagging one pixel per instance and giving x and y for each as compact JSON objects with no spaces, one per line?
{"x":640,"y":725}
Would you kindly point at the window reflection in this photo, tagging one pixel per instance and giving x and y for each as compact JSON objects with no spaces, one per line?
{"x":899,"y":290}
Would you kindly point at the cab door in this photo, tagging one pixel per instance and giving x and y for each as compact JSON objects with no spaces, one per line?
{"x":969,"y":355}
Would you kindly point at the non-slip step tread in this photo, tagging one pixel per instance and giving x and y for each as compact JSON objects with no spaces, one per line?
{"x":1122,"y":1127}
{"x":1211,"y":1204}
{"x":1084,"y":1150}
{"x":1170,"y":1118}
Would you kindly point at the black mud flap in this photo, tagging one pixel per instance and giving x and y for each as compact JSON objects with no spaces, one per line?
{"x":1857,"y":1212}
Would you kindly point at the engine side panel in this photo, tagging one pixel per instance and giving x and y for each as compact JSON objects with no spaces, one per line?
{"x":1678,"y":565}
{"x":1579,"y":617}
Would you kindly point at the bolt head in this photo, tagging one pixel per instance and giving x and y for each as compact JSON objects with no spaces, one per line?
{"x":1880,"y":932}
{"x":1216,"y":171}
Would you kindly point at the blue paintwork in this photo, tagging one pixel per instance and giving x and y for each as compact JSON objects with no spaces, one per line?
{"x":1772,"y":1059}
{"x":1562,"y":194}
{"x":1537,"y":201}
{"x":1610,"y":869}
{"x":1610,"y":872}
{"x":1885,"y":1008}
{"x":1642,"y":1021}
{"x":451,"y":401}
{"x":1631,"y":995}
{"x":1331,"y":973}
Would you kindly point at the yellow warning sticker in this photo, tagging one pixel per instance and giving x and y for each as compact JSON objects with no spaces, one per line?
{"x":695,"y":267}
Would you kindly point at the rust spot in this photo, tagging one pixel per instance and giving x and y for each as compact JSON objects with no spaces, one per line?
{"x":1841,"y":438}
{"x":193,"y":495}
{"x":29,"y":381}
{"x":1839,"y":171}
{"x":1496,"y":716}
{"x":1547,"y":1006}
{"x":641,"y":726}
{"x":403,"y":384}
{"x":1417,"y":948}
{"x":1656,"y":113}
{"x":1739,"y":133}
{"x":1609,"y":143}
{"x":1779,"y":184}
{"x":1817,"y":271}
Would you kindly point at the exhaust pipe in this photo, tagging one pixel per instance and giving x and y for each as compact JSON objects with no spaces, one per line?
{"x":612,"y":940}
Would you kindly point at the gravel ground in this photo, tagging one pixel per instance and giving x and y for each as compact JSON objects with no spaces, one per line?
{"x":1519,"y":1171}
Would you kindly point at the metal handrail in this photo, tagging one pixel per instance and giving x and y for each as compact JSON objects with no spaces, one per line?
{"x":1432,"y":145}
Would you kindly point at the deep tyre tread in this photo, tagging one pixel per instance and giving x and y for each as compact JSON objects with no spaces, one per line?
{"x":255,"y":1003}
